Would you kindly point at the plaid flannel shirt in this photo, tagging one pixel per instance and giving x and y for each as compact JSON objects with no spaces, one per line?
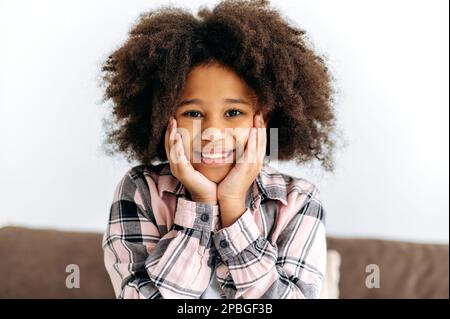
{"x":160,"y":244}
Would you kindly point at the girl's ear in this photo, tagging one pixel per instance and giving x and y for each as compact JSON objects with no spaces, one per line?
{"x":265,"y":115}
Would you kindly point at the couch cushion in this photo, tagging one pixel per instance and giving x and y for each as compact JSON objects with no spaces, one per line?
{"x":407,"y":270}
{"x":33,"y":264}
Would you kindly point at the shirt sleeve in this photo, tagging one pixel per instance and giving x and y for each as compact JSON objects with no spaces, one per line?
{"x":143,"y":263}
{"x":293,"y":267}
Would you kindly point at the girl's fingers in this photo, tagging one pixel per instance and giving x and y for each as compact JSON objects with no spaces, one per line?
{"x":261,"y":137}
{"x":179,"y":164}
{"x":262,"y":141}
{"x":252,"y":146}
{"x":174,"y":131}
{"x":170,"y":142}
{"x":264,"y":148}
{"x":176,"y":149}
{"x":167,"y":138}
{"x":181,"y":157}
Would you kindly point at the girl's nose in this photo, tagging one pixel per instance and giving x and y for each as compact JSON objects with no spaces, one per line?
{"x":213,"y":129}
{"x":213,"y":134}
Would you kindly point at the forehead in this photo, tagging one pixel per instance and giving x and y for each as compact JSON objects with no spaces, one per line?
{"x":216,"y":81}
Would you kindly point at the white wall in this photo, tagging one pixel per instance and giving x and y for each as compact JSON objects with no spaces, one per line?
{"x":391,"y":61}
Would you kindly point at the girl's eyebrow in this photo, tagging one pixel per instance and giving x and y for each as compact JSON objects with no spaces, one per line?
{"x":227,"y":100}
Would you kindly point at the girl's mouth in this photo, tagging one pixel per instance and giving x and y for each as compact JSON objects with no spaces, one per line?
{"x":217,"y":158}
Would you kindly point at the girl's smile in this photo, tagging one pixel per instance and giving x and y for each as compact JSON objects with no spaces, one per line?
{"x":216,"y":158}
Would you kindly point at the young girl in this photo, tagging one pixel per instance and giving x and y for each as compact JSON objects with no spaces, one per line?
{"x":203,"y":215}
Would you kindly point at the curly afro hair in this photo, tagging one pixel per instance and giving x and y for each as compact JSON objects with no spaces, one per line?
{"x":145,"y":77}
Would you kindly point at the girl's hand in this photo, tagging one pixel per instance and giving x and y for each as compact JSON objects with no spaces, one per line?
{"x":232,"y":189}
{"x":201,"y":188}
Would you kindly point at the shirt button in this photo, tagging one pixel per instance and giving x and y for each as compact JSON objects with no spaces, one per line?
{"x":223,"y":243}
{"x":204,"y":217}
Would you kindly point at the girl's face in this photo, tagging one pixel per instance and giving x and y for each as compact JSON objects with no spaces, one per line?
{"x":216,"y":111}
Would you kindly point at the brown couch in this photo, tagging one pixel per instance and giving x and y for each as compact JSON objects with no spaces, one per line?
{"x":33,"y":265}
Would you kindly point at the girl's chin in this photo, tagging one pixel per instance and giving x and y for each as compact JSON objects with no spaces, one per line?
{"x":216,"y":173}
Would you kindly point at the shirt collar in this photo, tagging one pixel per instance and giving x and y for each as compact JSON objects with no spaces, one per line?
{"x":268,"y":183}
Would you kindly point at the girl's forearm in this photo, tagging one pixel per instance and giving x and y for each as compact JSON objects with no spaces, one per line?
{"x":231,"y":210}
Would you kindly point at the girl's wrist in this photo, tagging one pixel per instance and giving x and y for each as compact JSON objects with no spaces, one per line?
{"x":231,"y":201}
{"x":210,"y":201}
{"x":201,"y":198}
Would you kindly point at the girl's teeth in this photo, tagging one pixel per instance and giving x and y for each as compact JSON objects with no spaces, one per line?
{"x":218,"y":155}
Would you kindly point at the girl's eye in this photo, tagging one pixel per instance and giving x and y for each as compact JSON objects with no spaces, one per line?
{"x":233,"y":112}
{"x":192,"y":114}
